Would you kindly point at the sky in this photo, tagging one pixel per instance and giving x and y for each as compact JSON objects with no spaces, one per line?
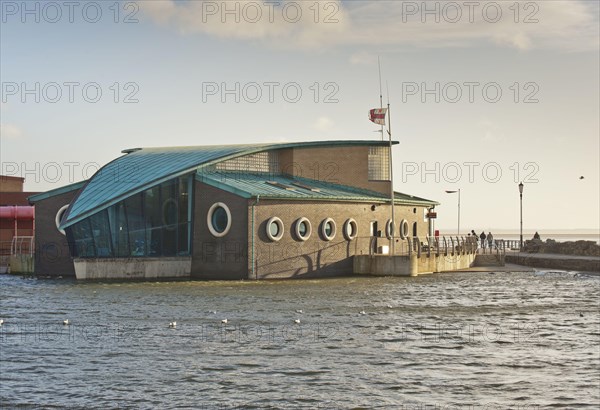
{"x":483,"y":94}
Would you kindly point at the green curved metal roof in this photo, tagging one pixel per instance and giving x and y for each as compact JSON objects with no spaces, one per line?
{"x":285,"y":187}
{"x":142,"y":168}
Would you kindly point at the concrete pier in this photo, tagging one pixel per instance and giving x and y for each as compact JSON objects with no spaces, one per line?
{"x":410,"y":265}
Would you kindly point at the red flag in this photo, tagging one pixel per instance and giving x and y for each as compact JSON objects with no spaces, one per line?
{"x":377,"y":115}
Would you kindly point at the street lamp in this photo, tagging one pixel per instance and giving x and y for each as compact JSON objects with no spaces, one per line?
{"x":453,"y":192}
{"x":521,"y":202}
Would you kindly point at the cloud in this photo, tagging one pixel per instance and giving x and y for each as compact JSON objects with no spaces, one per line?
{"x":319,"y":26}
{"x":10,"y":131}
{"x":363,"y":58}
{"x":283,"y":24}
{"x":490,"y":137}
{"x":324,"y":124}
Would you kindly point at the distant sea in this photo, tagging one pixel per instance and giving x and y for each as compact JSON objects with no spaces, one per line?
{"x":557,"y":235}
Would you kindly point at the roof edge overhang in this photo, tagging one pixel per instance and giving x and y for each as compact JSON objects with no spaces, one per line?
{"x":358,"y":198}
{"x":66,"y":222}
{"x":54,"y":192}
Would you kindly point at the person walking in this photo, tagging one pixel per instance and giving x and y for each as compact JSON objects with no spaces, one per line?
{"x":482,"y":237}
{"x":490,"y":239}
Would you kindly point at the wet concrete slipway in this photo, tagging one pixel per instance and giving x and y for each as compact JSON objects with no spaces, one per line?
{"x":464,"y":340}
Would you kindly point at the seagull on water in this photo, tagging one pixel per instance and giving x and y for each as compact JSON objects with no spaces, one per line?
{"x":299,"y":311}
{"x":362,"y":312}
{"x":224,"y":321}
{"x":297,"y":321}
{"x":390,"y":306}
{"x":172,"y":325}
{"x":66,"y":322}
{"x":1,"y":322}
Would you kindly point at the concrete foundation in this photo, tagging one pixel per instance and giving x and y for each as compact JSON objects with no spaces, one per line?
{"x":133,"y":268}
{"x":21,"y":264}
{"x":413,"y":265}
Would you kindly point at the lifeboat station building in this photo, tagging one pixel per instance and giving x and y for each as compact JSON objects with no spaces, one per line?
{"x":260,"y":211}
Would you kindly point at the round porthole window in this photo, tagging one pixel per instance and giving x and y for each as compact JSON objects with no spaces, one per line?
{"x":350,"y":229}
{"x":275,"y":229}
{"x":59,"y":216}
{"x":303,"y":229}
{"x":404,"y":229}
{"x":328,"y":229}
{"x":219,"y":219}
{"x":389,"y":228}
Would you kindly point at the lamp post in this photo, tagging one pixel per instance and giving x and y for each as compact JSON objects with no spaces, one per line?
{"x":453,"y":192}
{"x":521,"y":203}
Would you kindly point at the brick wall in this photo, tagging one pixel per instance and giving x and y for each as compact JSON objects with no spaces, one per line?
{"x":52,"y":255}
{"x":225,"y":257}
{"x":11,"y":184}
{"x":340,"y":165}
{"x":291,"y":257}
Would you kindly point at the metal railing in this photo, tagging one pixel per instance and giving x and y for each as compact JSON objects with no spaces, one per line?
{"x":453,"y":245}
{"x":22,"y":245}
{"x":498,"y":247}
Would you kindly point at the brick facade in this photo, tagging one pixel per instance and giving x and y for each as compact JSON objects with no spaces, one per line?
{"x":225,"y":257}
{"x":11,"y":184}
{"x":52,"y":256}
{"x":340,"y":165}
{"x":293,"y":258}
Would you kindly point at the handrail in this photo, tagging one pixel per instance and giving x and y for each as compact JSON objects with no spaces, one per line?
{"x":437,"y":246}
{"x":16,"y":246}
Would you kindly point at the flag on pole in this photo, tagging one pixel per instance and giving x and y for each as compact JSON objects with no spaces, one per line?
{"x":377,"y":115}
{"x":451,"y":192}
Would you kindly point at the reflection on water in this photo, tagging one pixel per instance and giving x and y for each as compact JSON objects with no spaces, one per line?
{"x":468,"y":340}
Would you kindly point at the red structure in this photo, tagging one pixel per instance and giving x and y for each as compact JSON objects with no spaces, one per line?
{"x":17,"y":222}
{"x":17,"y":219}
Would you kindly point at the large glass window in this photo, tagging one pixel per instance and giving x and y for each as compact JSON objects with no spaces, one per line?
{"x":152,"y":213}
{"x":101,"y":234}
{"x":169,"y":215}
{"x":118,"y":228}
{"x":82,"y":241}
{"x":379,"y":163}
{"x":137,"y":225}
{"x":185,"y":216}
{"x":155,"y":222}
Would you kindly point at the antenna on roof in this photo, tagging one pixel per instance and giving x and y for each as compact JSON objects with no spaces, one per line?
{"x":380,"y":93}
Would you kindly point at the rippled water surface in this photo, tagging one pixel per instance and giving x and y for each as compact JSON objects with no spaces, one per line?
{"x":468,"y":340}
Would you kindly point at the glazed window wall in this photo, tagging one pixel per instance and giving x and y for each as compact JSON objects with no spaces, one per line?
{"x":379,"y":164}
{"x":156,"y":222}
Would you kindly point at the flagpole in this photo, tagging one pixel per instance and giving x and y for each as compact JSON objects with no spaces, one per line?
{"x":380,"y":93}
{"x":393,"y":227}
